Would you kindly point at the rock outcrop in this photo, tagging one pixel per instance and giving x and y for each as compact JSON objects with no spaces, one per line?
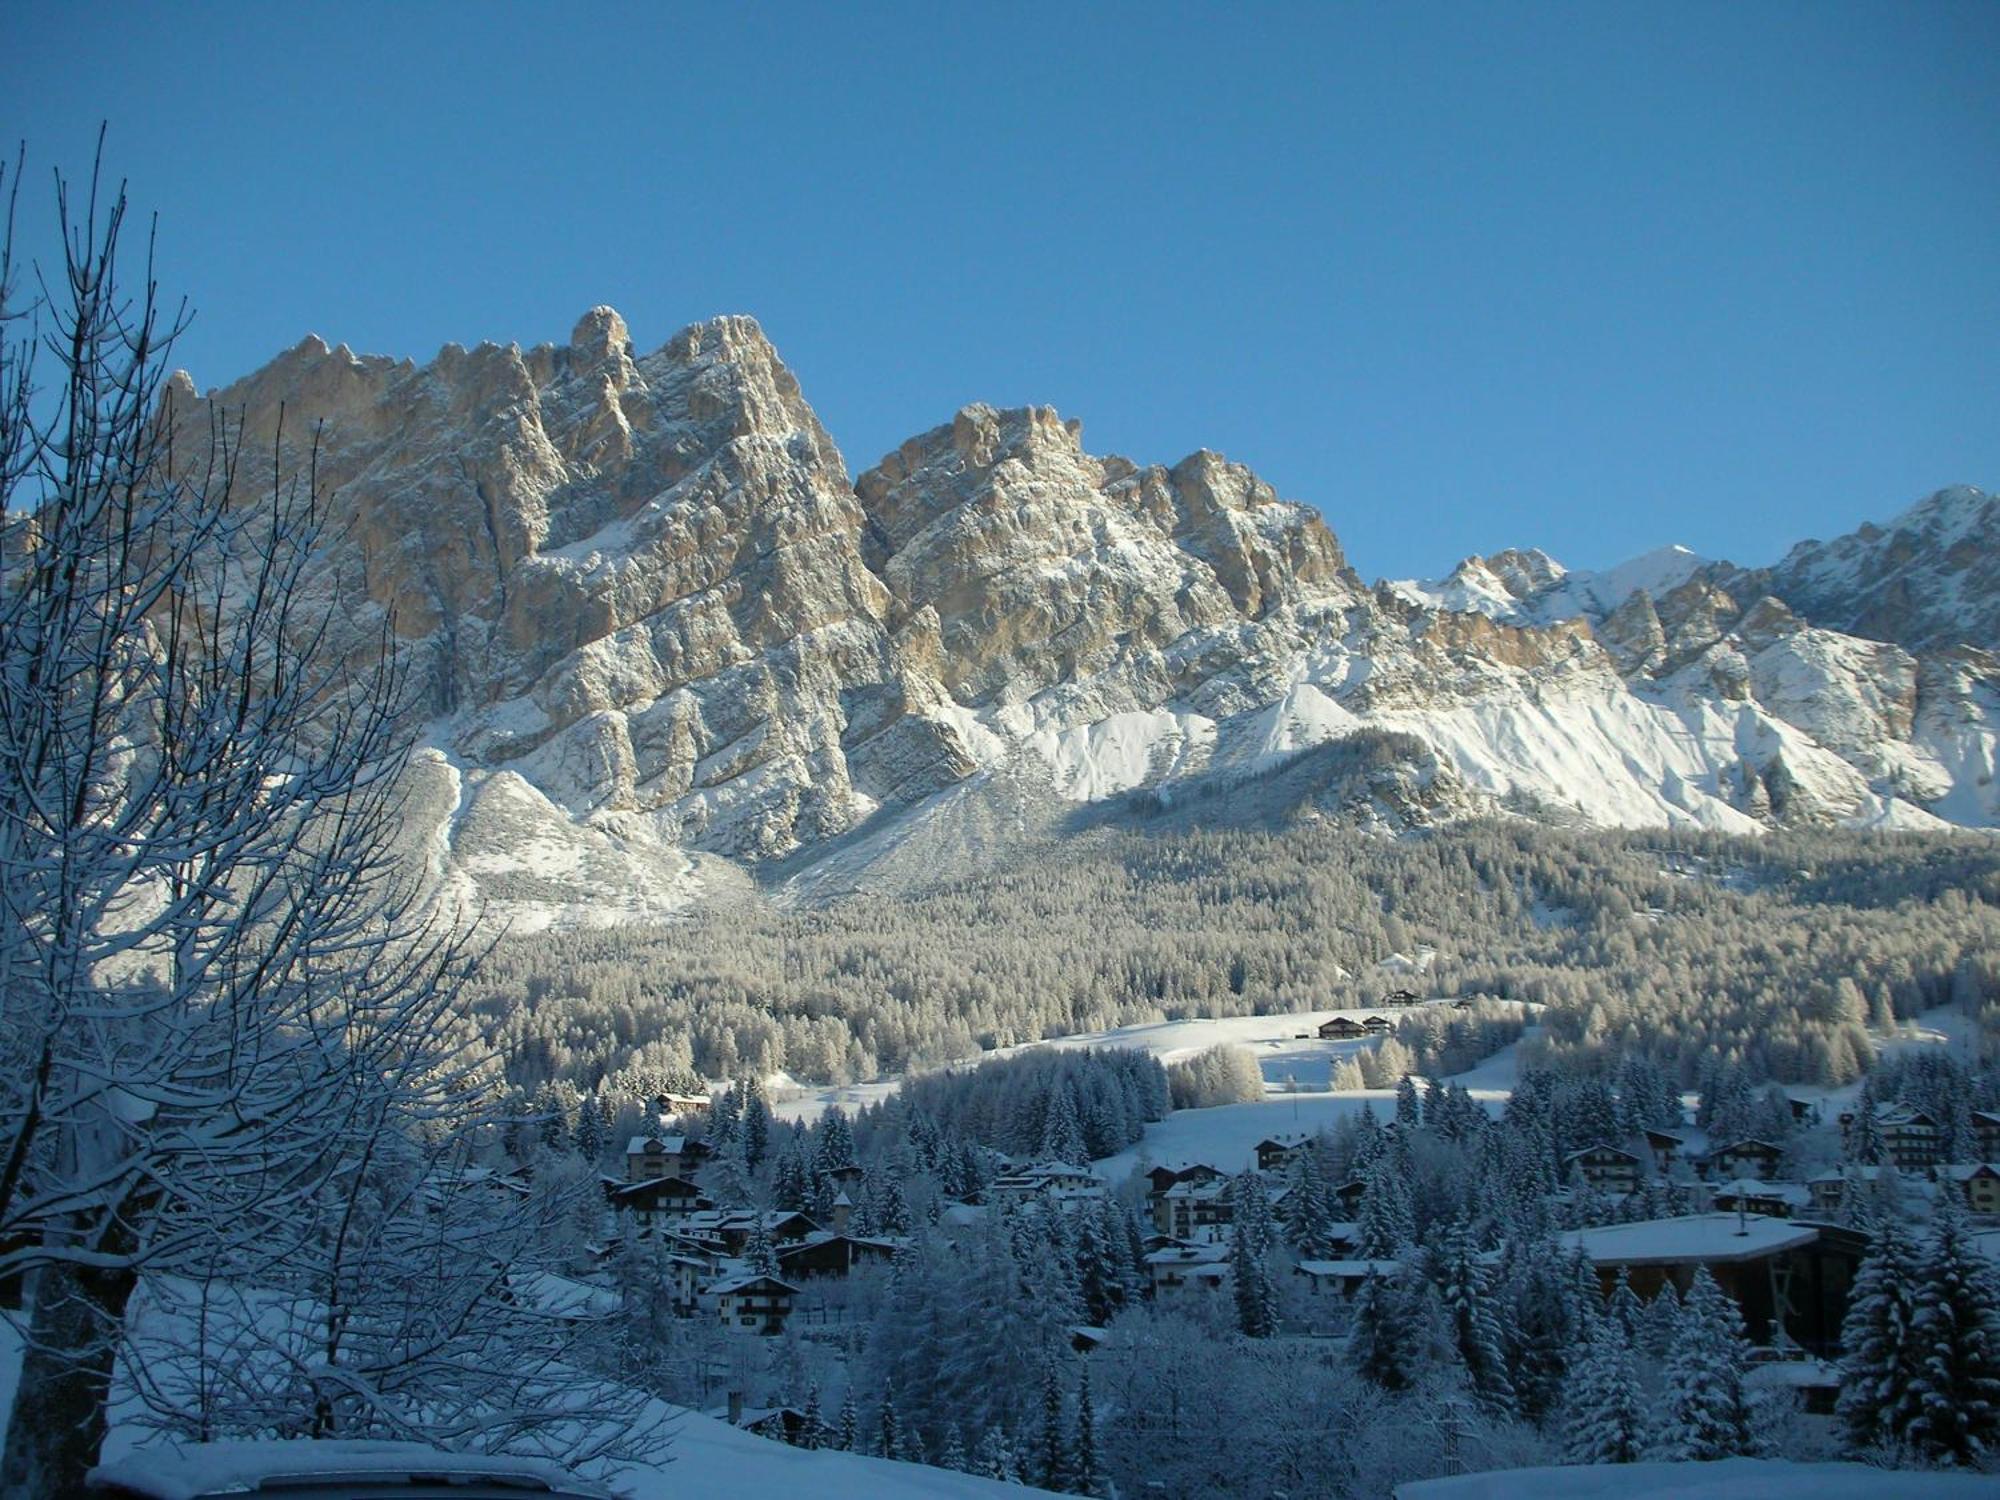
{"x":653,"y":622}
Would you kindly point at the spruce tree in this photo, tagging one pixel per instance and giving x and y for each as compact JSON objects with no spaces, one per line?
{"x":953,"y":1457}
{"x":1878,"y":1371}
{"x":1604,"y":1416}
{"x":849,"y":1432}
{"x":1086,"y":1436}
{"x":994,"y":1457}
{"x":1474,"y":1318}
{"x":1707,"y":1409}
{"x":812,"y":1427}
{"x":1378,"y":1340}
{"x":1956,"y":1330}
{"x":1388,"y":1221}
{"x":891,"y":1428}
{"x":1053,"y":1470}
{"x":590,"y":1130}
{"x":1625,"y":1309}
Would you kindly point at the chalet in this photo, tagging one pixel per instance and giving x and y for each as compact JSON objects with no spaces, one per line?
{"x":1159,"y":1179}
{"x":1274,"y":1155}
{"x":1402,"y":998}
{"x":1341,"y":1029}
{"x":1775,"y":1200}
{"x":781,"y":1424}
{"x":683,"y":1104}
{"x":1665,"y":1148}
{"x":1829,"y":1188}
{"x":1606,"y":1168}
{"x":655,"y":1203}
{"x":1804,"y":1111}
{"x":832,"y":1255}
{"x":1195,"y":1211}
{"x":1189,"y":1272}
{"x":1986,"y":1128}
{"x":1019,"y":1184}
{"x":1350,"y":1192}
{"x":1911,"y":1138}
{"x":1979,"y":1181}
{"x":842,"y":1211}
{"x":1342,"y":1278}
{"x":849,"y":1177}
{"x":1747,"y":1158}
{"x":754,"y":1304}
{"x":1789,"y":1279}
{"x":1378,"y":1025}
{"x":650,"y":1157}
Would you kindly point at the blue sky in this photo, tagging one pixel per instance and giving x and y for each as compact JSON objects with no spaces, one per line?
{"x":1591,"y":277}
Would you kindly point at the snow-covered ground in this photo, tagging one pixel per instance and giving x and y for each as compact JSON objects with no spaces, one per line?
{"x":708,"y":1456}
{"x":1724,"y":1479}
{"x":1288,"y":1049}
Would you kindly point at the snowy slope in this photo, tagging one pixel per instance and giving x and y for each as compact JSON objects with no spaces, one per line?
{"x":1724,"y":1479}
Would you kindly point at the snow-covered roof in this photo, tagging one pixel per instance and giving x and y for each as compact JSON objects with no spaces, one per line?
{"x":206,"y":1468}
{"x":639,"y":1145}
{"x":744,"y":1283}
{"x":1346,"y":1268}
{"x":1751,"y":1187}
{"x":1714,"y":1239}
{"x":1188,"y":1255}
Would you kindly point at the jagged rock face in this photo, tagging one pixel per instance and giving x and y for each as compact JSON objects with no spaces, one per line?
{"x":651,"y":617}
{"x":1928,"y":581}
{"x":1045,"y":566}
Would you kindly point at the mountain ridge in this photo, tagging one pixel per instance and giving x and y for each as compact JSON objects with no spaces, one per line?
{"x":657,"y":623}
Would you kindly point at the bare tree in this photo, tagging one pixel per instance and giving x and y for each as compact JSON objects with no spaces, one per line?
{"x":226,"y":1005}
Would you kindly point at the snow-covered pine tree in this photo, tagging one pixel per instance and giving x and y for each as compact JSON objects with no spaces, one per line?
{"x":953,"y":1455}
{"x":1388,"y":1221}
{"x":1955,"y":1327}
{"x":1625,"y":1309}
{"x":994,"y":1457}
{"x":1877,"y":1372}
{"x":812,"y":1426}
{"x":889,"y":1428}
{"x":1604,"y":1418}
{"x":1053,"y":1470}
{"x":1474,"y":1316}
{"x":1087,"y":1478}
{"x":1707,"y":1411}
{"x":1409,"y":1112}
{"x":590,"y":1129}
{"x":758,"y":1251}
{"x":849,"y":1431}
{"x":756,"y":1125}
{"x":1062,"y":1131}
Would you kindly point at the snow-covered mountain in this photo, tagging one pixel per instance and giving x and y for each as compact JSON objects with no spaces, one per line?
{"x":665,"y":639}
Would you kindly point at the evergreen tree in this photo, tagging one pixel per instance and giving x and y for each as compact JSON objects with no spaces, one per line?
{"x":1707,"y":1410}
{"x":1625,"y":1309}
{"x":758,"y":1251}
{"x":1388,"y":1221}
{"x":891,"y":1428}
{"x":836,"y":1143}
{"x":1604,"y":1416}
{"x":1863,"y":1136}
{"x":1474,"y":1319}
{"x":791,"y":1187}
{"x":849,"y":1432}
{"x":1053,"y":1469}
{"x":1062,"y":1132}
{"x":1310,"y":1213}
{"x":953,"y":1457}
{"x":994,"y":1457}
{"x":1086,"y":1436}
{"x":756,"y":1124}
{"x":812,"y":1427}
{"x":590,"y":1130}
{"x":1878,"y":1376}
{"x":1955,"y":1327}
{"x":1409,"y":1114}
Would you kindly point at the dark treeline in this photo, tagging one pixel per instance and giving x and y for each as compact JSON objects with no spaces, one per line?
{"x":1774,"y":955}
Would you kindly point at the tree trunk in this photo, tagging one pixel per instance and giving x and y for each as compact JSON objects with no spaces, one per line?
{"x":58,"y":1423}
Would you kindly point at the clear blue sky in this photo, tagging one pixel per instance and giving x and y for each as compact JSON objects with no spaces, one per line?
{"x":1592,"y":277}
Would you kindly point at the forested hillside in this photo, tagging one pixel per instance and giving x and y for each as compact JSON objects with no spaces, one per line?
{"x":1775,"y":952}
